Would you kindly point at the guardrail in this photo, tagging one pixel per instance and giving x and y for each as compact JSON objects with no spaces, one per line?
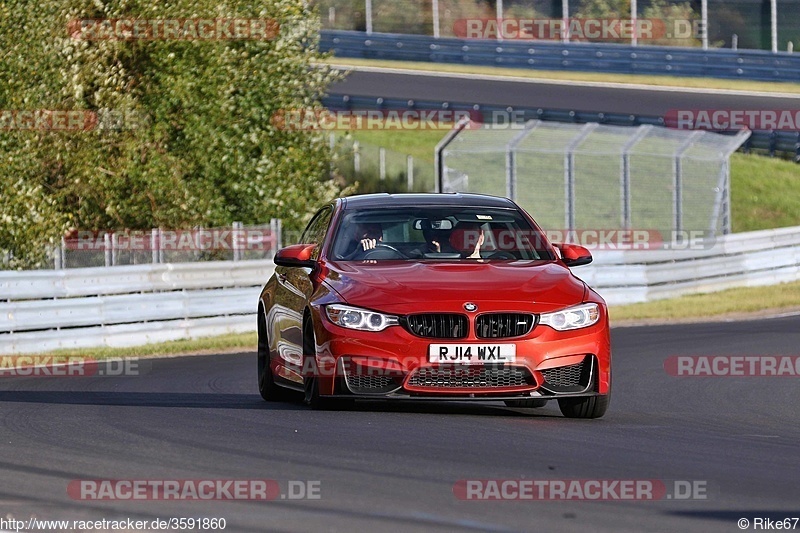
{"x":613,"y":58}
{"x":773,"y":142}
{"x":747,"y":259}
{"x":156,"y":303}
{"x":127,"y":305}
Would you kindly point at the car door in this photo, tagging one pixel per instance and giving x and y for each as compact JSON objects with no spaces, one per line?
{"x":293,"y":290}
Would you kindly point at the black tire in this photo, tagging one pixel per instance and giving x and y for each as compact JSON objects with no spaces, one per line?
{"x":269,"y":390}
{"x":530,"y":403}
{"x":589,"y":407}
{"x":311,"y":383}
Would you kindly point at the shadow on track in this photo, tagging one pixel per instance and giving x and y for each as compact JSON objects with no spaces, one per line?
{"x":252,"y":401}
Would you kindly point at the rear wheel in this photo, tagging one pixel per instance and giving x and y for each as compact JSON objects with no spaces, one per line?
{"x":266,"y":383}
{"x":531,"y":403}
{"x":589,"y":407}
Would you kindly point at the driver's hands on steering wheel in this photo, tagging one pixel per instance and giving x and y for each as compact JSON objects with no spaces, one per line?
{"x":368,"y":244}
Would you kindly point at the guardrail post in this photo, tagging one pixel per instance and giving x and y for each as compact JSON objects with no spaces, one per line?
{"x":368,"y":14}
{"x":382,"y":162}
{"x":409,"y":173}
{"x":356,"y":156}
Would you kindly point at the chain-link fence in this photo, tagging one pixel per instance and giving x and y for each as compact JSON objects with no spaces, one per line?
{"x":380,"y":169}
{"x":82,"y":249}
{"x":593,"y":176}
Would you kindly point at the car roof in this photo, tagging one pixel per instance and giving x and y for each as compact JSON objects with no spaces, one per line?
{"x":417,"y":199}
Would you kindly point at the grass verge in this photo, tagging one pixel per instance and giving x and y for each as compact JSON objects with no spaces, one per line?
{"x":639,"y":79}
{"x":732,"y":303}
{"x":244,"y":342}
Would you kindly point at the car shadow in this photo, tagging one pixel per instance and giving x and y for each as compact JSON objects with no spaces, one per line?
{"x":253,"y":401}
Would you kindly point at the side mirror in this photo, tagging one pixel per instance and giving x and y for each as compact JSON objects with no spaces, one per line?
{"x":296,"y":255}
{"x":574,"y":255}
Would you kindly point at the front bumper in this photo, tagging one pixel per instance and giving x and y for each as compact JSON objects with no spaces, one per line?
{"x":393,"y":365}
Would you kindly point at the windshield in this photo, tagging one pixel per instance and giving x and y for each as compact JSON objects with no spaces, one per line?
{"x":437,"y":233}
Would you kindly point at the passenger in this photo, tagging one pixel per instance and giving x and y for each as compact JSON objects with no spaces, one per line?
{"x":436,"y":240}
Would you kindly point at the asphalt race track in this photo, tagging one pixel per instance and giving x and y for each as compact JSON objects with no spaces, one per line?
{"x":392,"y":467}
{"x":649,"y":101}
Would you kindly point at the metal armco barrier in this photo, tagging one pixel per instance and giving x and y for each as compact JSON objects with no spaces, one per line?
{"x":127,"y":305}
{"x":545,"y":55}
{"x":179,"y":301}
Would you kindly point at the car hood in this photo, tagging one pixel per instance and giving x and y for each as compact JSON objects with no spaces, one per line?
{"x":411,"y":286}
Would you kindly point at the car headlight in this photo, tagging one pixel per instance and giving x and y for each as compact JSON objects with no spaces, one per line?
{"x":580,"y":316}
{"x":361,"y":319}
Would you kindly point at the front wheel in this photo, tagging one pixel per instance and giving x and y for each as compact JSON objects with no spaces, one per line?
{"x":589,"y":407}
{"x":269,"y":391}
{"x":311,"y":382}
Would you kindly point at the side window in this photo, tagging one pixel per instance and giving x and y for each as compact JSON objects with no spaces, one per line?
{"x":317,"y":228}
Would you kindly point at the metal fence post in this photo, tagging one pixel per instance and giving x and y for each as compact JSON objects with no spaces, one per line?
{"x":435,"y":9}
{"x":569,"y":173}
{"x":368,"y":15}
{"x":155,"y":244}
{"x":409,"y":173}
{"x":236,"y":234}
{"x":356,"y":156}
{"x":439,"y":152}
{"x":625,"y":175}
{"x":511,"y":157}
{"x":275,"y":230}
{"x":382,"y":162}
{"x":107,"y":248}
{"x":677,"y":193}
{"x":499,"y":17}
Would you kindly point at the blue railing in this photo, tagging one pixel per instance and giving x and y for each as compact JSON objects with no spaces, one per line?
{"x":614,"y":58}
{"x":786,"y":142}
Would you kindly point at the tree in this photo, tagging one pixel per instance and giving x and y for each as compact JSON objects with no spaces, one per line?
{"x":180,"y":131}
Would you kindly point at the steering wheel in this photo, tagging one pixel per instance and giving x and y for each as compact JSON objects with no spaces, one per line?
{"x":502,"y":254}
{"x":381,"y":248}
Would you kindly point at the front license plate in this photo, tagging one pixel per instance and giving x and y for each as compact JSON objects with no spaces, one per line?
{"x":472,"y":354}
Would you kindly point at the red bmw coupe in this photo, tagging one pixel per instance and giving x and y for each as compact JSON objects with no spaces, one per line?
{"x":432,"y":297}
